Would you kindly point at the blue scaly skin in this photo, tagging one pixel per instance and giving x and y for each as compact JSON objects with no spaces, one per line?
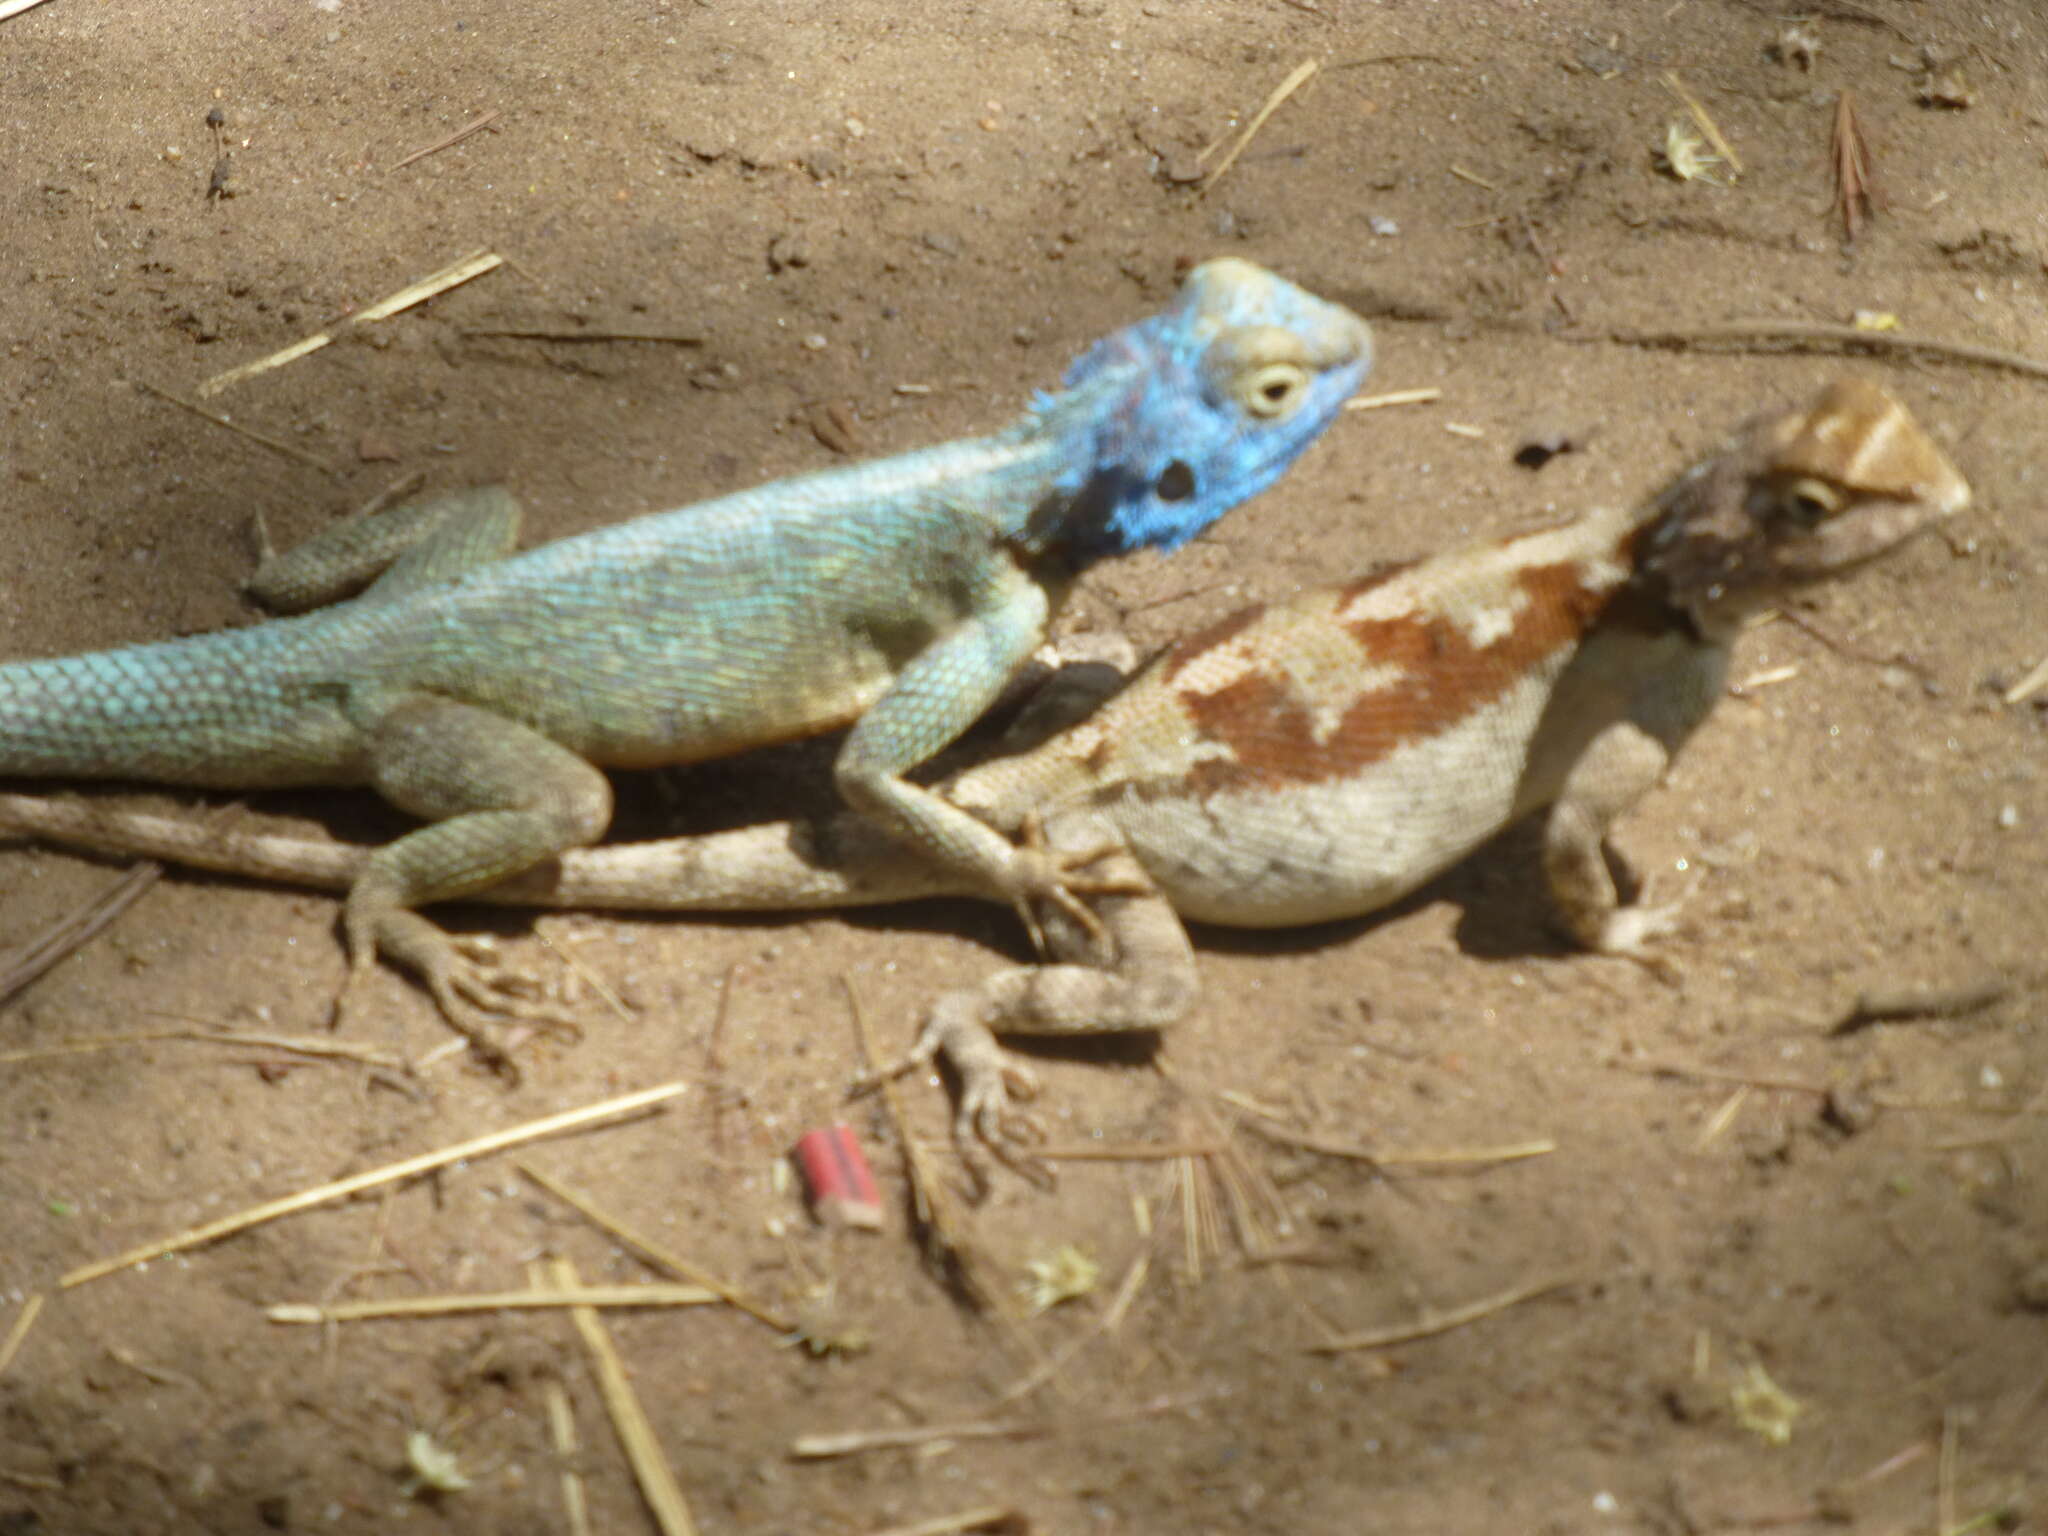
{"x":484,"y":691}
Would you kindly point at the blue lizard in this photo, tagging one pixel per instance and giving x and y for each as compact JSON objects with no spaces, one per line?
{"x":485,"y":691}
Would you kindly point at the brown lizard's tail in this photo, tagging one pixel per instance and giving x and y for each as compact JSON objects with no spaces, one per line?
{"x":780,"y":867}
{"x":192,"y":841}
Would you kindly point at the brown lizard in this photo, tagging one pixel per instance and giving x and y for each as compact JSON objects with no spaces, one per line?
{"x":1308,"y":759}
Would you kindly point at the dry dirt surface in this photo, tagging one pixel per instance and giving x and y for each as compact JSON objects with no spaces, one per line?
{"x":1769,"y":1278}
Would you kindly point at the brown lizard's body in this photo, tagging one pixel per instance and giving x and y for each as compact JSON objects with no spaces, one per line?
{"x":1314,"y":758}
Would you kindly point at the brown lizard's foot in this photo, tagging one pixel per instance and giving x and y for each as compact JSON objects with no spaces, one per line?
{"x":991,"y":1083}
{"x":1628,"y":932}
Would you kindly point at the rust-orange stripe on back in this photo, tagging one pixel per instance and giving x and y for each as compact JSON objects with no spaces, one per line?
{"x":1272,"y":730}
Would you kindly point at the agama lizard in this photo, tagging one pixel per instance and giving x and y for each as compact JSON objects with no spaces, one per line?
{"x":1312,"y":759}
{"x":484,"y":693}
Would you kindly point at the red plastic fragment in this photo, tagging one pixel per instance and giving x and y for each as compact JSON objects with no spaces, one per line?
{"x":836,"y":1172}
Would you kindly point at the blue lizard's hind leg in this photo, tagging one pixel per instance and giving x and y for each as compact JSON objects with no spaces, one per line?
{"x":502,"y":798}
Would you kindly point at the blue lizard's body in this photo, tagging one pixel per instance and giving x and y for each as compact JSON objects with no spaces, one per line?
{"x":477,"y":689}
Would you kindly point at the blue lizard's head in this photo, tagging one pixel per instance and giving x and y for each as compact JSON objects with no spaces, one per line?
{"x":1201,"y":407}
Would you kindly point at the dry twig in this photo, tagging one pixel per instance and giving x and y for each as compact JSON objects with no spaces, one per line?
{"x":855,"y":1441}
{"x":819,"y":1447}
{"x":1442,"y":1322}
{"x":476,"y":264}
{"x":1706,"y":124}
{"x":391,"y":1173}
{"x":1718,"y":1122}
{"x":2029,"y":685}
{"x":562,"y":1429}
{"x":318,"y":1046}
{"x":11,"y":1345}
{"x":629,"y":1420}
{"x":986,"y":1517}
{"x":1884,"y":1004}
{"x":1298,"y":78}
{"x":1816,"y":335}
{"x":1394,"y":397}
{"x":660,"y":1257}
{"x":476,"y":125}
{"x":73,"y":933}
{"x":1112,"y":1318}
{"x":557,"y":333}
{"x":274,"y":444}
{"x":1448,"y":1157}
{"x":938,"y":1227}
{"x":492,"y":1301}
{"x":1700,"y":1074}
{"x":1123,"y":1151}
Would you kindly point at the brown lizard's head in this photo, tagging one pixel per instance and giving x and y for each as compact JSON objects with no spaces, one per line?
{"x":1798,"y":497}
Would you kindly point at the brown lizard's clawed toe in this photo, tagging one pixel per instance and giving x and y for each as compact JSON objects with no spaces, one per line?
{"x":988,"y":1118}
{"x":1628,"y":933}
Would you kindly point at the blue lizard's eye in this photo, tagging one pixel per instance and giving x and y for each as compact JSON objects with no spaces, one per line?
{"x":1274,"y":389}
{"x":1176,"y":482}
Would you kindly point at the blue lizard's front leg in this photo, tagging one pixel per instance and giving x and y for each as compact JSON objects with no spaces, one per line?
{"x":932,"y":700}
{"x":390,"y":554}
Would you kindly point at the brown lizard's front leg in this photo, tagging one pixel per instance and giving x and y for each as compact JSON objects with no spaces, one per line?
{"x":1623,"y":763}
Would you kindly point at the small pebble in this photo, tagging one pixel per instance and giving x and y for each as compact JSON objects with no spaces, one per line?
{"x":1384,"y":227}
{"x":2031,"y":1290}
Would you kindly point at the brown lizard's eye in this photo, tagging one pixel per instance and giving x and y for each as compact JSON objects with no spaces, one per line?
{"x":1273,"y":390}
{"x":1809,"y":502}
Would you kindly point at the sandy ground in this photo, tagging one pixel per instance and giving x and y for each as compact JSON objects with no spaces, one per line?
{"x":841,"y":201}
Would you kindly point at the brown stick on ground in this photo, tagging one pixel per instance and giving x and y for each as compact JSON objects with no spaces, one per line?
{"x":649,"y":1250}
{"x":1856,"y":193}
{"x":73,"y":933}
{"x":563,"y":333}
{"x":476,"y":125}
{"x":275,"y":445}
{"x":1815,"y":335}
{"x":1443,"y":1322}
{"x":1881,"y":1005}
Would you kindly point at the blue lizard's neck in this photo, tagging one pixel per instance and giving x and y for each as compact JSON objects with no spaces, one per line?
{"x":1076,"y":502}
